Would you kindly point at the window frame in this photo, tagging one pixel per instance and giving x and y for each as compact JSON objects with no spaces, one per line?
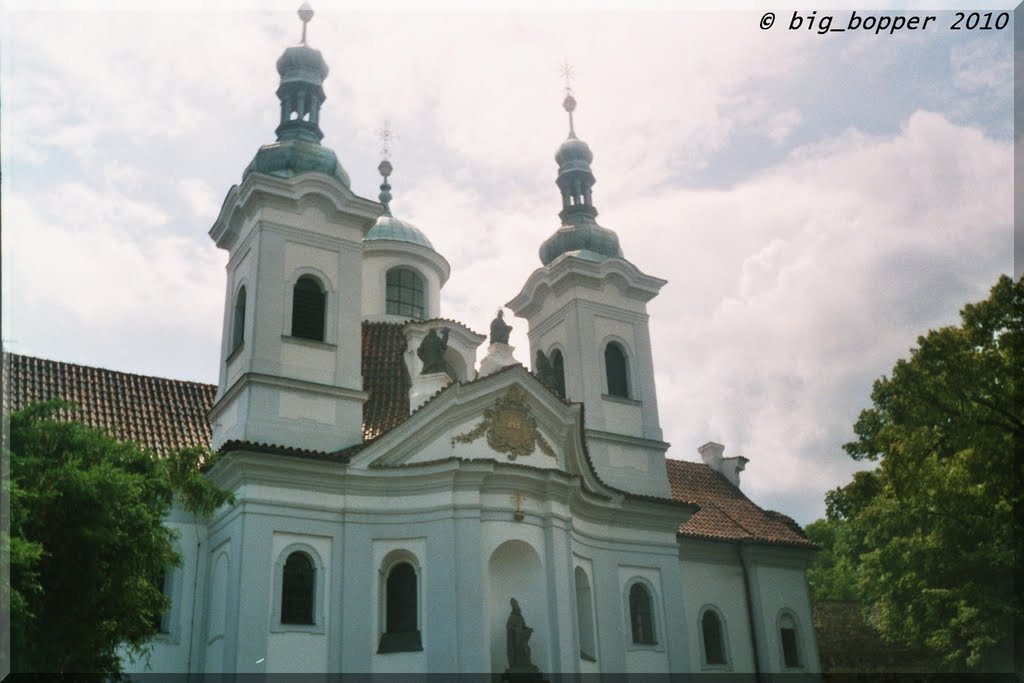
{"x":319,"y":596}
{"x":391,"y":562}
{"x":423,"y":293}
{"x":626,"y":361}
{"x":238,"y":325}
{"x":800,"y":659}
{"x":551,"y":357}
{"x":726,"y":664}
{"x":655,"y":624}
{"x":581,"y":619}
{"x":330,"y":293}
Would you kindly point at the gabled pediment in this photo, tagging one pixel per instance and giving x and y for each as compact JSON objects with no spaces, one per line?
{"x":507,"y":417}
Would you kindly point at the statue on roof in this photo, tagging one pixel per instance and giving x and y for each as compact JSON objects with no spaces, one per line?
{"x":432,"y":350}
{"x":500,"y":330}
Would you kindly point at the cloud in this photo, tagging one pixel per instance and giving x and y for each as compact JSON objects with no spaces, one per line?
{"x":813,"y":203}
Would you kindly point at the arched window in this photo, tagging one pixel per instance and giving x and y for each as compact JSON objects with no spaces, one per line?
{"x":711,"y":633}
{"x":616,"y":370}
{"x":405,"y":293}
{"x":585,"y":615}
{"x":788,"y":639}
{"x":641,"y":615}
{"x":401,"y":627}
{"x":558,"y":370}
{"x":309,"y":307}
{"x":297,"y":584}
{"x":238,"y":324}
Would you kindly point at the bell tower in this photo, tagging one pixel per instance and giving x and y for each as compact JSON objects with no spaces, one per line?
{"x":588,"y":325}
{"x":291,"y":348}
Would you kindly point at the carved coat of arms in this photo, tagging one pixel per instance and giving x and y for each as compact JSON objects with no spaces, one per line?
{"x":510,"y":427}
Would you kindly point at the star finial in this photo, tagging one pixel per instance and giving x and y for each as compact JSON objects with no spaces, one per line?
{"x":305,"y":14}
{"x":569,"y":74}
{"x":569,"y":103}
{"x":386,"y":136}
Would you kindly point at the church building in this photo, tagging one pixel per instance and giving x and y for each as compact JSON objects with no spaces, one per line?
{"x":409,"y":496}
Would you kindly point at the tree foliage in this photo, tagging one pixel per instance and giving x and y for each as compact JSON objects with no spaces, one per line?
{"x":935,"y":529}
{"x":832,"y":576}
{"x":87,"y":540}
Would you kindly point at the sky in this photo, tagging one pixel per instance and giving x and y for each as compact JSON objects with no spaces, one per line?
{"x":816,"y":201}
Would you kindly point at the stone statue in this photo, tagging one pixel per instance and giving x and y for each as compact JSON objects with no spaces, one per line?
{"x":431,"y":351}
{"x":517,"y":644}
{"x":499,"y":329}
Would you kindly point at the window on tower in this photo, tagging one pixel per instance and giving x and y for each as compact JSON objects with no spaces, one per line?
{"x":405,"y":293}
{"x":238,"y":325}
{"x":558,"y":372}
{"x":309,"y":307}
{"x":616,"y":370}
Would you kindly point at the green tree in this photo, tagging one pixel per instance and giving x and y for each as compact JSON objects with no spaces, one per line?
{"x":832,"y":576}
{"x":87,"y":539}
{"x":935,"y":529}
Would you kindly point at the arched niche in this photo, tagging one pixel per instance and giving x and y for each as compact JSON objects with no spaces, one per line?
{"x":515,"y":571}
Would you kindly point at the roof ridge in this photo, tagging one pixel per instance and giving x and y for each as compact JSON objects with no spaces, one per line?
{"x":25,"y":357}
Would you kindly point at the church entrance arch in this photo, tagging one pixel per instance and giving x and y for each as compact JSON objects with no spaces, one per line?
{"x":515,"y":571}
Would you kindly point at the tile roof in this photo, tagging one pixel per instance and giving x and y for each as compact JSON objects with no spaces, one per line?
{"x":161,"y":414}
{"x":385,"y":378}
{"x":725,"y":513}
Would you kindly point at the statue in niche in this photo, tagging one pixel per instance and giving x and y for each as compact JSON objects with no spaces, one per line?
{"x":432,"y":350}
{"x":517,"y":644}
{"x":500,"y":329}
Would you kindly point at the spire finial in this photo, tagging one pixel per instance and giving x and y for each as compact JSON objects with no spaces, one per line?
{"x":305,"y":14}
{"x":569,"y":103}
{"x":386,"y":135}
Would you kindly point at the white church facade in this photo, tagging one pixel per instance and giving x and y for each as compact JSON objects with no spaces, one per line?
{"x":399,"y":478}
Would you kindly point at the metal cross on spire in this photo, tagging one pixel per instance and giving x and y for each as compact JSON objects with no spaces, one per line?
{"x":569,"y":103}
{"x":305,"y":14}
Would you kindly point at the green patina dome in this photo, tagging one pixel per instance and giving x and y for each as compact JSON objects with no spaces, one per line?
{"x":388,"y":227}
{"x":586,"y":237}
{"x":289,"y":158}
{"x":574,"y":152}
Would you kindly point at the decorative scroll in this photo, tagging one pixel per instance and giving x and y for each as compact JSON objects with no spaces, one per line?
{"x":510,"y":427}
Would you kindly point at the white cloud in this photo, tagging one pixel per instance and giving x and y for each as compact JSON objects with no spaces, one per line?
{"x":793,"y":283}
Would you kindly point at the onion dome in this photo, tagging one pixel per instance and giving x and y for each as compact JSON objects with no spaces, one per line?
{"x":579,"y":233}
{"x":387,"y":226}
{"x":298,"y":150}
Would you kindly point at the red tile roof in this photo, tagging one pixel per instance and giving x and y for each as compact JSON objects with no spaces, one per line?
{"x":161,"y":414}
{"x":725,"y":513}
{"x":385,"y":378}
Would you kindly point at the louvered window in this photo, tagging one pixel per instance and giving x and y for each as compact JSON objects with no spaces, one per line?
{"x":558,"y":369}
{"x":238,"y":329}
{"x":298,"y":580}
{"x":615,"y":368}
{"x":405,"y":293}
{"x":309,"y":304}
